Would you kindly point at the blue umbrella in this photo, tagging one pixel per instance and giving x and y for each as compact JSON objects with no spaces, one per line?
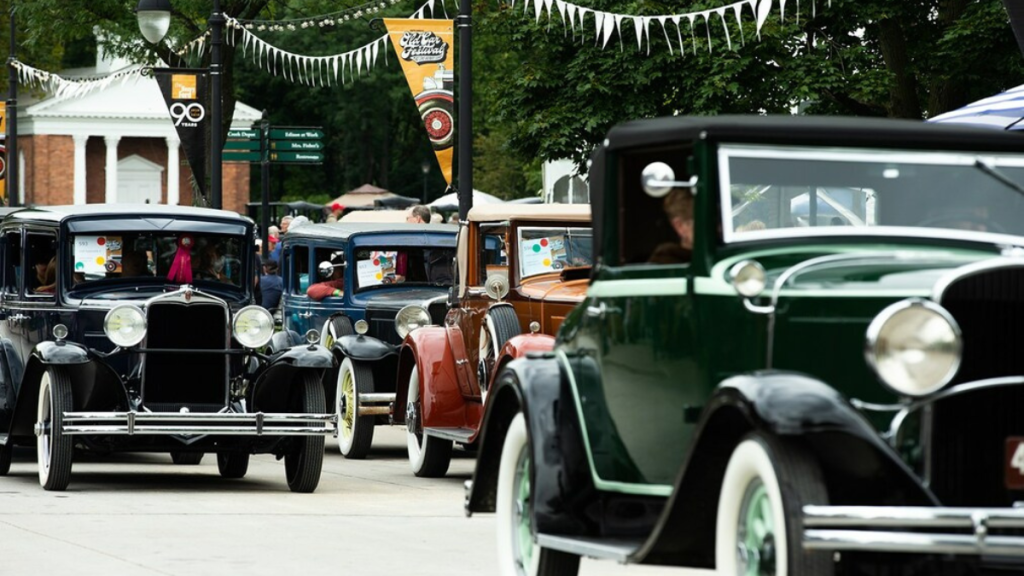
{"x":1003,"y":111}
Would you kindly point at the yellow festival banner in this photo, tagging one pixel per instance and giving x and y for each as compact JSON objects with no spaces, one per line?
{"x":3,"y":152}
{"x":424,"y":48}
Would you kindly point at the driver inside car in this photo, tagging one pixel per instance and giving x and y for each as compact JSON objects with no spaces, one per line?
{"x":333,"y":286}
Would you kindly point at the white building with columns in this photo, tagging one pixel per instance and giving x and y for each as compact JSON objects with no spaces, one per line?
{"x":113,"y":145}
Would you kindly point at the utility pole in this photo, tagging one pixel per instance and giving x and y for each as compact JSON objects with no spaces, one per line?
{"x":216,"y":142}
{"x":465,"y":184}
{"x":12,"y":119}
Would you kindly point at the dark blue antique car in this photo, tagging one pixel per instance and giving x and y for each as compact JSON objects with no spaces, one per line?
{"x":371,"y":285}
{"x":133,"y":329}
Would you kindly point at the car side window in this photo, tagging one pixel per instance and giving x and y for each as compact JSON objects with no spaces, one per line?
{"x":655,"y":229}
{"x":492,"y":256}
{"x":12,"y":263}
{"x":40,"y":265}
{"x":299,"y":261}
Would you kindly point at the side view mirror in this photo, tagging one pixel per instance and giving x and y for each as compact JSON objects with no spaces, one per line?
{"x":326,"y":269}
{"x":658,"y":179}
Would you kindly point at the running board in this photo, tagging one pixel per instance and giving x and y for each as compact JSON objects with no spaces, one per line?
{"x":616,"y":549}
{"x":460,"y":435}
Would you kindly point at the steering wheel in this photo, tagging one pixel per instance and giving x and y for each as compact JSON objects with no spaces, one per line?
{"x":961,"y":217}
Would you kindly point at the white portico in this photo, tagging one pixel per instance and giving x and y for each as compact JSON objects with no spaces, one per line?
{"x":113,"y":145}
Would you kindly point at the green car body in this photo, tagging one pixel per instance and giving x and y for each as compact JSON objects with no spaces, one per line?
{"x":664,"y":370}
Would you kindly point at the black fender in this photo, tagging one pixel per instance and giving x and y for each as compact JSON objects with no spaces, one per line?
{"x":284,"y":340}
{"x":364,"y":348}
{"x":10,"y":377}
{"x":562,"y":486}
{"x":859,"y":468}
{"x":273,"y":387}
{"x":95,"y":386}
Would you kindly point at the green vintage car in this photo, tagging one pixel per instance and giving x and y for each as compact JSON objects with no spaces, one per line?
{"x":820,"y":373}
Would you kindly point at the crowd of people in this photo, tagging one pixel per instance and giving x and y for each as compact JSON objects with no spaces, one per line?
{"x":271,"y":285}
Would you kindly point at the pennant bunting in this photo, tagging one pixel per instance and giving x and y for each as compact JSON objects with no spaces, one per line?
{"x":63,"y":88}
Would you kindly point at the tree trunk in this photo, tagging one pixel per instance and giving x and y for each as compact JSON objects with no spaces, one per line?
{"x":903,"y":100}
{"x":948,"y":92}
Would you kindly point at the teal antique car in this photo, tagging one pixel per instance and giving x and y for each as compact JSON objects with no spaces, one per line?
{"x":800,"y":354}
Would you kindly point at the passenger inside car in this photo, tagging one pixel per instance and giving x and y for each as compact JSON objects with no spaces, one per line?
{"x":678,"y":207}
{"x":46,"y":274}
{"x":332,"y":287}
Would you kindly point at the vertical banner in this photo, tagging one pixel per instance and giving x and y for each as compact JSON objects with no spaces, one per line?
{"x":3,"y":153}
{"x":424,"y":48}
{"x":186,"y":94}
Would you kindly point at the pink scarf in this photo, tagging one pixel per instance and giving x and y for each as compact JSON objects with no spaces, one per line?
{"x":181,"y":268}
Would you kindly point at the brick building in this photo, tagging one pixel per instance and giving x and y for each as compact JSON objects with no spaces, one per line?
{"x":114,"y":145}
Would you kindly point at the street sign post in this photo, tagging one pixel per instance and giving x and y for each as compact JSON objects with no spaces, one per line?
{"x":239,"y":134}
{"x":310,"y":157}
{"x":304,"y":145}
{"x":296,"y":134}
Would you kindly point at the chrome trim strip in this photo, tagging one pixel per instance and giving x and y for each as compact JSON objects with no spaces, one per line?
{"x":86,"y":417}
{"x":195,"y":430}
{"x":372,"y":397}
{"x":964,"y":388}
{"x":939,"y":290}
{"x":903,"y":542}
{"x":833,"y":528}
{"x":152,"y":423}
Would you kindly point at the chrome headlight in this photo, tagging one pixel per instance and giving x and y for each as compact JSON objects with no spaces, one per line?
{"x":125,"y":325}
{"x":914,"y":346}
{"x":410,"y":318}
{"x":253,"y":327}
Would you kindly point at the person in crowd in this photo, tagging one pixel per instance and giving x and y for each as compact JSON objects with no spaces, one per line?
{"x":333,"y":286}
{"x":418,"y":214}
{"x":436,"y":218}
{"x":453,"y":219}
{"x":271,"y":285}
{"x":273,"y":237}
{"x":678,"y":206}
{"x":285,"y":223}
{"x":209,"y":265}
{"x":275,"y":252}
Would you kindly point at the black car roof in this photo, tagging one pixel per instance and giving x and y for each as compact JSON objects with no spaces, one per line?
{"x":344,"y":230}
{"x":62,"y":213}
{"x":839,"y":130}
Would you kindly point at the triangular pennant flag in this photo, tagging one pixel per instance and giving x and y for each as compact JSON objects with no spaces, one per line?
{"x":679,"y":35}
{"x":583,"y":16}
{"x":647,"y":33}
{"x":375,"y":49}
{"x":707,"y":26}
{"x":639,"y":25}
{"x":609,"y":27}
{"x":598,"y":25}
{"x":547,"y":7}
{"x":693,"y":35}
{"x":738,"y":13}
{"x":561,"y":10}
{"x":728,"y":39}
{"x":764,"y":9}
{"x":571,"y":10}
{"x":359,"y":62}
{"x":782,"y":11}
{"x":538,"y":6}
{"x":664,"y":29}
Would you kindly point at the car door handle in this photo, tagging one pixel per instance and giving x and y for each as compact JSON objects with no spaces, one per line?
{"x":598,"y":311}
{"x":305,"y":314}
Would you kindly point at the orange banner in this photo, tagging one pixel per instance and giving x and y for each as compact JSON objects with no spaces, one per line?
{"x":424,"y":48}
{"x":3,"y":153}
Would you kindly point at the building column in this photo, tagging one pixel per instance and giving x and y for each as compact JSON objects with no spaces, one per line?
{"x":112,"y":142}
{"x":80,"y":141}
{"x":173,"y":171}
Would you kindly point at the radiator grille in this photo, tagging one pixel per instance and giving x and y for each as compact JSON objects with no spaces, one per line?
{"x":172,"y":381}
{"x":382,"y":325}
{"x":970,"y":430}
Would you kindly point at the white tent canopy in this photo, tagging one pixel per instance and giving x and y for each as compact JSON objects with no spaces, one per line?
{"x":452,"y":199}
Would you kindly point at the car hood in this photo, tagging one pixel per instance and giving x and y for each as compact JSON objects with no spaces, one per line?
{"x":397,"y":299}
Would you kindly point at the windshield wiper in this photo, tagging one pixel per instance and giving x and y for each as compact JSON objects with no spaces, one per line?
{"x":998,"y":175}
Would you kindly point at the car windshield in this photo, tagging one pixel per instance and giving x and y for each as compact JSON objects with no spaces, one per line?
{"x":129,"y":259}
{"x":408,"y":265}
{"x":768,"y":191}
{"x":550,"y":249}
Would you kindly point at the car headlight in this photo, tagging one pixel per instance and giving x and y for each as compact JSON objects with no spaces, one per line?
{"x":410,"y":318}
{"x":125,"y":325}
{"x":253,"y":327}
{"x":914,"y":346}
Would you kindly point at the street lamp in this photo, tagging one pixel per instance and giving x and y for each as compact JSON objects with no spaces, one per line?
{"x":154,"y":20}
{"x":426,"y":171}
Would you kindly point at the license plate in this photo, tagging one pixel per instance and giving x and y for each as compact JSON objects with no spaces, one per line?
{"x":1015,"y":463}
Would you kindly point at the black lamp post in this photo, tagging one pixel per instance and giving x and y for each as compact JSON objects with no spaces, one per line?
{"x":426,"y":171}
{"x":11,"y":141}
{"x":154,"y":20}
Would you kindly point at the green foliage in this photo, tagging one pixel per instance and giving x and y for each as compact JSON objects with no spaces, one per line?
{"x":545,"y":91}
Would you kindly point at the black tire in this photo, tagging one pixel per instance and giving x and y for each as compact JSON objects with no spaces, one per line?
{"x":6,"y":453}
{"x":233,"y":465}
{"x":303,"y":465}
{"x":355,"y":443}
{"x":54,"y":450}
{"x":336,"y":327}
{"x":186,"y":458}
{"x":499,"y":327}
{"x":762,"y":470}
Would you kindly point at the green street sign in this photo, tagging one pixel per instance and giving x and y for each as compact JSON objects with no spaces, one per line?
{"x":241,"y":156}
{"x":242,"y":145}
{"x":243,"y":133}
{"x":313,"y":145}
{"x":296,"y":157}
{"x":296,"y":134}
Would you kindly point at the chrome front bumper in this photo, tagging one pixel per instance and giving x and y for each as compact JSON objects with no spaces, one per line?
{"x":194,"y":424}
{"x":967,"y":531}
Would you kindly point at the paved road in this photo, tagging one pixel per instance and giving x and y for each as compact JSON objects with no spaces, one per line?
{"x":142,"y":515}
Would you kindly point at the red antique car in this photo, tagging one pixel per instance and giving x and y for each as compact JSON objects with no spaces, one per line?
{"x":521,"y":269}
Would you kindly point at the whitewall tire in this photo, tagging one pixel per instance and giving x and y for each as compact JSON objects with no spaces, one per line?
{"x":53,"y":448}
{"x":428,"y":456}
{"x":355,"y":431}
